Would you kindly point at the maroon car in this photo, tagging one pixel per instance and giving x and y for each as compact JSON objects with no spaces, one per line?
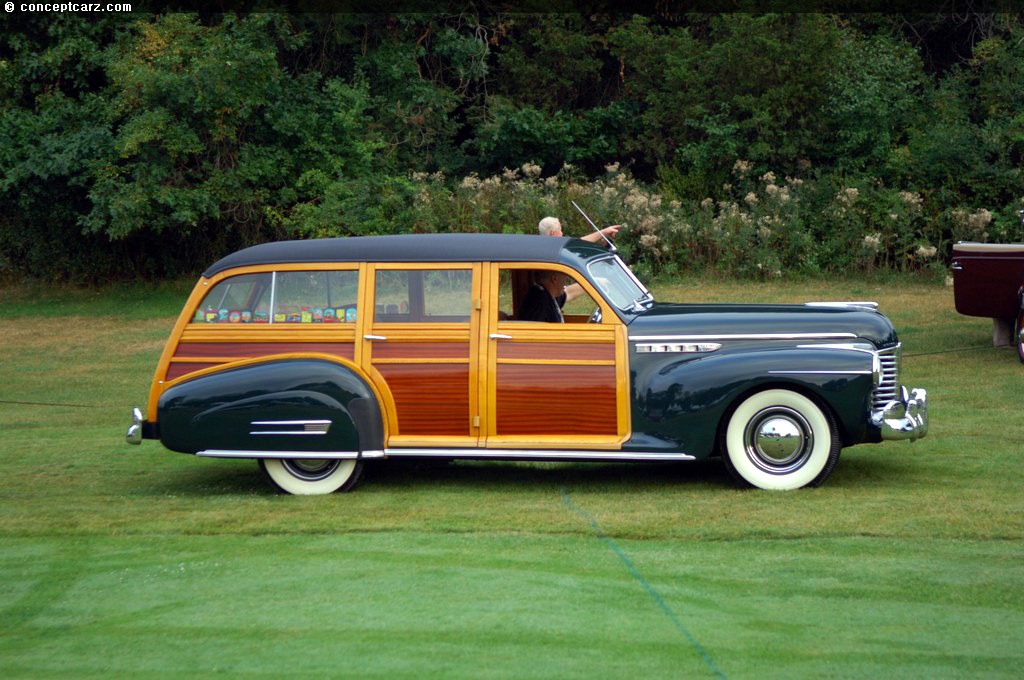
{"x":988,"y":280}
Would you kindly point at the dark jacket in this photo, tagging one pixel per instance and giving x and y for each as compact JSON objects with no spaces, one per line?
{"x":540,"y":306}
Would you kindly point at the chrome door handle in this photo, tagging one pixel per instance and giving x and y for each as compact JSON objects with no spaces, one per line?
{"x":374,"y":337}
{"x":500,"y":336}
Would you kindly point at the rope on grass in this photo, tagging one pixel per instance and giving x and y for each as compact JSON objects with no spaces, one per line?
{"x":950,"y":351}
{"x":49,"y":403}
{"x":635,"y":573}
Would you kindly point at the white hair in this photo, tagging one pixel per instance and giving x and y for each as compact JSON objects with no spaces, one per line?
{"x":548,"y":225}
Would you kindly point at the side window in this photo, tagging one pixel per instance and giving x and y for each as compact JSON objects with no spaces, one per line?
{"x":545,"y":295}
{"x":423,"y":295}
{"x":238,"y":299}
{"x":316,"y":297}
{"x":296,"y":297}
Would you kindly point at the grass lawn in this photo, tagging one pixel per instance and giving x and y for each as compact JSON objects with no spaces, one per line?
{"x":135,"y":561}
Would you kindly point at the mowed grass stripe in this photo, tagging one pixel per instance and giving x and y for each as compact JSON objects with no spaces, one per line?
{"x":648,"y":588}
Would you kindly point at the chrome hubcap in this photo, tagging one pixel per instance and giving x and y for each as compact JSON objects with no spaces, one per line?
{"x":778,"y":440}
{"x":310,"y":470}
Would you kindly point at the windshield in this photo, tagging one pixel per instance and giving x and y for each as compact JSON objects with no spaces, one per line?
{"x":619,"y":284}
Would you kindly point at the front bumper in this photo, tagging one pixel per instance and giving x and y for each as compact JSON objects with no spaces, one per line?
{"x":905,"y":417}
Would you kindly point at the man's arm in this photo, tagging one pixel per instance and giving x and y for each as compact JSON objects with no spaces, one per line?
{"x":609,"y":233}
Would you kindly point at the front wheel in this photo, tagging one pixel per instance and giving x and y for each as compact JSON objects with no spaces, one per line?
{"x":779,"y":439}
{"x":306,"y":476}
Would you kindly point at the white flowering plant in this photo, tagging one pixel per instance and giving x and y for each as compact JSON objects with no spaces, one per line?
{"x":759,"y":224}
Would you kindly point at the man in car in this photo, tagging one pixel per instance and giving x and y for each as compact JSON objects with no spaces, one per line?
{"x":552,"y":226}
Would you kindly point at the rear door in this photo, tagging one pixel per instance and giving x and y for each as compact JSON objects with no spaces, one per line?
{"x":421,"y":345}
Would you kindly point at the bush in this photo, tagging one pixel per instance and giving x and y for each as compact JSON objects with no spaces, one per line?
{"x":758,"y":226}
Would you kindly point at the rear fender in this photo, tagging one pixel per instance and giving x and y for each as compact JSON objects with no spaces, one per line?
{"x":284,"y":404}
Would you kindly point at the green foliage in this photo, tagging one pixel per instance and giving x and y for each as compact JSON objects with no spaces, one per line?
{"x":147,"y":145}
{"x":549,"y":62}
{"x":752,"y":88}
{"x":518,"y":135}
{"x":197,"y":141}
{"x":209,"y":129}
{"x":873,"y":95}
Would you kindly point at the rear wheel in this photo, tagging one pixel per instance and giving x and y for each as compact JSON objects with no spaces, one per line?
{"x":780,"y":439}
{"x":308,"y":476}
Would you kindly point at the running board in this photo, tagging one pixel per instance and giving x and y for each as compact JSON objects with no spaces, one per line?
{"x":505,"y":454}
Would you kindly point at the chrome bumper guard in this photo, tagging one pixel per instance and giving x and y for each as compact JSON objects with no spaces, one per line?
{"x":905,"y":417}
{"x":134,"y":434}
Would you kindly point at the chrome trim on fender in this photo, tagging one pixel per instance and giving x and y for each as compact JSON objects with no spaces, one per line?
{"x":687,"y":348}
{"x":325,"y":455}
{"x":858,"y":304}
{"x":864,"y":347}
{"x":742,"y":336}
{"x":308,"y":427}
{"x":820,"y":372}
{"x":876,"y":371}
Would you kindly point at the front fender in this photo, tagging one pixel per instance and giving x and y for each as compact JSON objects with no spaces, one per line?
{"x":682,"y":400}
{"x":288,"y":405}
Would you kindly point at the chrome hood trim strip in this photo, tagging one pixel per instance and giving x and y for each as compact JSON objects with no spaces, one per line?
{"x":742,"y":336}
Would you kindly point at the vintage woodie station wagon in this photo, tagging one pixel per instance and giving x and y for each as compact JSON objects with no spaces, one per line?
{"x":316,"y":356}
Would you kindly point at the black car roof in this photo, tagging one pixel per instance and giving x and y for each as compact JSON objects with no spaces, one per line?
{"x":406,"y":248}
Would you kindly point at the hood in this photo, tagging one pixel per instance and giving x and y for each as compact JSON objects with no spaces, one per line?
{"x":737,"y":320}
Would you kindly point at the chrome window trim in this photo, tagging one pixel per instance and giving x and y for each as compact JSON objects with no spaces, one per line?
{"x":629,"y":274}
{"x":273,"y":297}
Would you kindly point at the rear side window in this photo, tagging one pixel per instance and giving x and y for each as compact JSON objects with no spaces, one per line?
{"x":316,"y":297}
{"x":423,"y":295}
{"x":282,"y":297}
{"x":237,"y":299}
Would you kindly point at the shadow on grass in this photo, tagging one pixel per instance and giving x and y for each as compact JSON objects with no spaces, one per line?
{"x":243,"y":477}
{"x":611,"y":477}
{"x":858,"y":470}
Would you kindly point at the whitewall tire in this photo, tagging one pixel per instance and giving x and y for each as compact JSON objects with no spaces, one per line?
{"x":306,"y":477}
{"x":779,"y":439}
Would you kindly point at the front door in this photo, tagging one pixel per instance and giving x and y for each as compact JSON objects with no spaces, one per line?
{"x":553,"y":385}
{"x":421,"y":346}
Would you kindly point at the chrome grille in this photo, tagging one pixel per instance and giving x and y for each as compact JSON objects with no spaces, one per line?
{"x":888,"y":389}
